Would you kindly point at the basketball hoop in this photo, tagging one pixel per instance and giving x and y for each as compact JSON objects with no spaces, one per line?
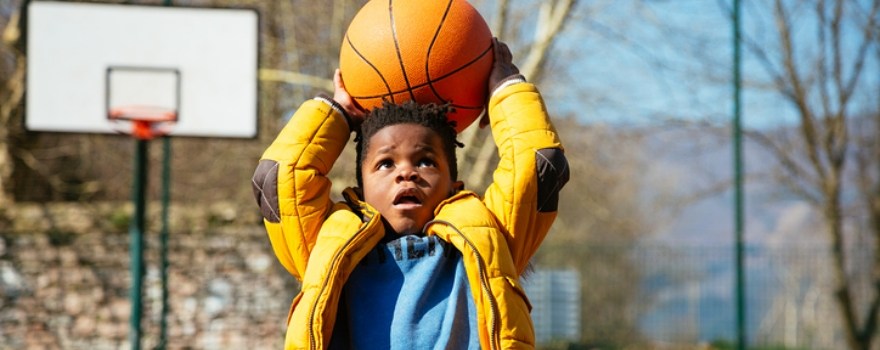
{"x":142,"y":122}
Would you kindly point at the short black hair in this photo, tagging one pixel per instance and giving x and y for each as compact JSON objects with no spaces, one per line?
{"x":431,"y":116}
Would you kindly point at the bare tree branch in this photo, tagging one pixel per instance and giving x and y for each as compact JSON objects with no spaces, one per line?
{"x":552,"y":16}
{"x":500,"y":20}
{"x":296,"y":78}
{"x":551,"y":20}
{"x":479,"y":172}
{"x":793,"y":170}
{"x":824,"y":105}
{"x":11,"y":93}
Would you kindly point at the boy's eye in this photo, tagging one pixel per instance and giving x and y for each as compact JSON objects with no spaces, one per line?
{"x":384,"y":164}
{"x":426,"y":162}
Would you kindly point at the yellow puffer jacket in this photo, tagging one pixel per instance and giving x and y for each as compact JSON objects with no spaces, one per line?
{"x":321,"y":242}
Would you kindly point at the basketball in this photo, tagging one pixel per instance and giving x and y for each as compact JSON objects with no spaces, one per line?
{"x":430,"y":51}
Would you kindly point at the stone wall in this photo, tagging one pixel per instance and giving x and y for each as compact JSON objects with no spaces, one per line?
{"x":65,"y":279}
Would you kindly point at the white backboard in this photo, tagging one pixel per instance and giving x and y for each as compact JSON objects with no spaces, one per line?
{"x":84,"y":57}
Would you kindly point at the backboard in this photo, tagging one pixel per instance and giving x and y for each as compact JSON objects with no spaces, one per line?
{"x":85,"y":59}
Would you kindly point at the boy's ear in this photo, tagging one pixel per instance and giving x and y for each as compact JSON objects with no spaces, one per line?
{"x":457,"y":186}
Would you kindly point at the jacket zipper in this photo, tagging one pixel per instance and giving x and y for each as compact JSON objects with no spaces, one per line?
{"x":484,"y":282}
{"x":334,"y":262}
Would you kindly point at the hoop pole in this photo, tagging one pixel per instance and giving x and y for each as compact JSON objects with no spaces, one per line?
{"x":163,"y":236}
{"x":163,"y":240}
{"x":136,"y":245}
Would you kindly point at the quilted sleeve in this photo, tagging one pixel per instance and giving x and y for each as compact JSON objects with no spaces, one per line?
{"x":290,"y":183}
{"x":532,"y":169}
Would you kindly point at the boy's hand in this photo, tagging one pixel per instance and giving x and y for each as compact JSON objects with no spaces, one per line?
{"x":503,"y":67}
{"x":503,"y":70}
{"x":341,"y":96}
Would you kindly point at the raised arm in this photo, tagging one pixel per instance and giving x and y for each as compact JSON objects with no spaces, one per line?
{"x":524,"y":194}
{"x":290,"y":183}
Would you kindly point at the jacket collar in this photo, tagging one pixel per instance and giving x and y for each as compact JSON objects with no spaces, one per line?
{"x":353,"y":198}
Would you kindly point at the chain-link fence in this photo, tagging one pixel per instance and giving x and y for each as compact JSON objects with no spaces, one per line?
{"x":685,"y":295}
{"x":70,"y":290}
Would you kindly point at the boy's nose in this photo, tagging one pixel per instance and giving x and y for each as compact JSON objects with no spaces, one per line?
{"x":407,"y":174}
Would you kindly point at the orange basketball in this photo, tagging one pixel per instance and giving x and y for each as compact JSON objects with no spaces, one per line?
{"x":430,"y":51}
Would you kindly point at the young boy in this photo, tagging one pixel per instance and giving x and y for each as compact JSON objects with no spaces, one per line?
{"x":411,"y":260}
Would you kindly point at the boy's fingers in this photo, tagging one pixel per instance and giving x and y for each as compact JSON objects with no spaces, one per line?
{"x":341,"y":96}
{"x":502,"y":52}
{"x":503,"y":67}
{"x":337,"y":80}
{"x":484,"y":120}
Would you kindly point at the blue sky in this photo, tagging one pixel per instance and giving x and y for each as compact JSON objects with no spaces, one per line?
{"x":640,"y":62}
{"x":643,"y":62}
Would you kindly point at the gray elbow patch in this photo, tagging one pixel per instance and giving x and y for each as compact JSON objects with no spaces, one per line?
{"x":265,"y":186}
{"x":552,"y":168}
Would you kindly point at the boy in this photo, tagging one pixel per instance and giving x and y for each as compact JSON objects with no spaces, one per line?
{"x":409,"y":259}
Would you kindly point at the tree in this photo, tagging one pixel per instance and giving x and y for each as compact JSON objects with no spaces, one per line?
{"x":823,"y":59}
{"x":12,"y":70}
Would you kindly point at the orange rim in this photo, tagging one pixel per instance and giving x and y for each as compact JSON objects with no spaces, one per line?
{"x":146,"y":121}
{"x":143,"y":113}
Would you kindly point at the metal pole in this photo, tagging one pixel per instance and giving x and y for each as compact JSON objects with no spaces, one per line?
{"x":738,"y":181}
{"x":163,"y":236}
{"x":136,"y":234}
{"x":163,"y":239}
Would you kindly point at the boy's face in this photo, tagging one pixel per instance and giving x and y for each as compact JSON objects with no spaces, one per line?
{"x":406,"y":175}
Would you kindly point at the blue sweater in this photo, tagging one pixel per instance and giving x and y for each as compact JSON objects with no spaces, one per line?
{"x":410,"y":292}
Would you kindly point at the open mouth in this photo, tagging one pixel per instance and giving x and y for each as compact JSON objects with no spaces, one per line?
{"x":407,"y":196}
